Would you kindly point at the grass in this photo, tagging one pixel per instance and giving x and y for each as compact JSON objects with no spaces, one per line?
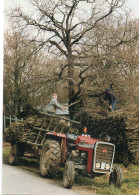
{"x":99,"y":184}
{"x":130,"y":184}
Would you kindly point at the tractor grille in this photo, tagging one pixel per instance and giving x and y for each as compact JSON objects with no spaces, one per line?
{"x":103,"y":157}
{"x":104,"y":153}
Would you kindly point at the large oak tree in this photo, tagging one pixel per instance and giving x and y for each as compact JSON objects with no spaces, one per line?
{"x":61,"y":26}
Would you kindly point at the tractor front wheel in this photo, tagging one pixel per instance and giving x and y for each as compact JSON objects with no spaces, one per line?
{"x":69,"y":174}
{"x":50,"y":158}
{"x":116,"y":177}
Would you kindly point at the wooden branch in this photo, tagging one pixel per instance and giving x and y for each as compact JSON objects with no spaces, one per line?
{"x":93,"y":26}
{"x":70,"y":12}
{"x":62,"y":69}
{"x":58,"y":46}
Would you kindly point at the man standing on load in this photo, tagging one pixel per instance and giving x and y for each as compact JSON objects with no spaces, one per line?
{"x":53,"y":105}
{"x":111,"y":98}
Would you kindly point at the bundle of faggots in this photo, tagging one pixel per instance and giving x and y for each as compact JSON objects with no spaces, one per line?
{"x":20,"y":132}
{"x":123,"y":128}
{"x":30,"y":129}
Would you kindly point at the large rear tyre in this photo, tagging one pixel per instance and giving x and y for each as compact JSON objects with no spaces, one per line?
{"x":116,"y":177}
{"x":14,"y":155}
{"x":69,"y":174}
{"x":50,"y":158}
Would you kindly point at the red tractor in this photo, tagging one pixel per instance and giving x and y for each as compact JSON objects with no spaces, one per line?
{"x":80,"y":153}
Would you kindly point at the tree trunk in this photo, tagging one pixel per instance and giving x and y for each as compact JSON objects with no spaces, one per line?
{"x":71,"y":84}
{"x":17,"y":98}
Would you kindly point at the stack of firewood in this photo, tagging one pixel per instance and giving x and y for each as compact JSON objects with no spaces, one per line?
{"x":29,"y":129}
{"x":19,"y":132}
{"x":14,"y":133}
{"x":123,"y":128}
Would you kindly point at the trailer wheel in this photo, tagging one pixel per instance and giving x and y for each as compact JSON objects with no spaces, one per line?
{"x":116,"y":177}
{"x":14,"y":155}
{"x":69,"y":174}
{"x":50,"y":158}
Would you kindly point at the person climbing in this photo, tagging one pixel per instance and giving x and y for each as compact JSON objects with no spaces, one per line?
{"x":53,"y":105}
{"x":111,"y":98}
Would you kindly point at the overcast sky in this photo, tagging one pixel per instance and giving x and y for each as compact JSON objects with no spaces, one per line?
{"x":132,"y":4}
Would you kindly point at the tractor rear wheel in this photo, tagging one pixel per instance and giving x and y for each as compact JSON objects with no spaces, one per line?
{"x":69,"y":174}
{"x":50,"y":158}
{"x":116,"y":177}
{"x":14,"y":155}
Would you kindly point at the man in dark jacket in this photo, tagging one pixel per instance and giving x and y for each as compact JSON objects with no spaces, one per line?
{"x":111,"y":98}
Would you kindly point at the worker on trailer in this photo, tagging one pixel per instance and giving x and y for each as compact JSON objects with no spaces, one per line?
{"x":111,"y":98}
{"x":53,"y":105}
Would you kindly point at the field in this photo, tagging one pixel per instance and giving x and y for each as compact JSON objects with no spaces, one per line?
{"x":99,"y":185}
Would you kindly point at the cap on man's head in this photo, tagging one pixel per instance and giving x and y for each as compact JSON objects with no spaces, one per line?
{"x":107,"y":90}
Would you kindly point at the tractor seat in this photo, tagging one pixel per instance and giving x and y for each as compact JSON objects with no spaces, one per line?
{"x":71,"y":137}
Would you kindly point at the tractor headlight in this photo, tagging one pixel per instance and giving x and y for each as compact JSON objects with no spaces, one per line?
{"x":107,"y":166}
{"x":97,"y":165}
